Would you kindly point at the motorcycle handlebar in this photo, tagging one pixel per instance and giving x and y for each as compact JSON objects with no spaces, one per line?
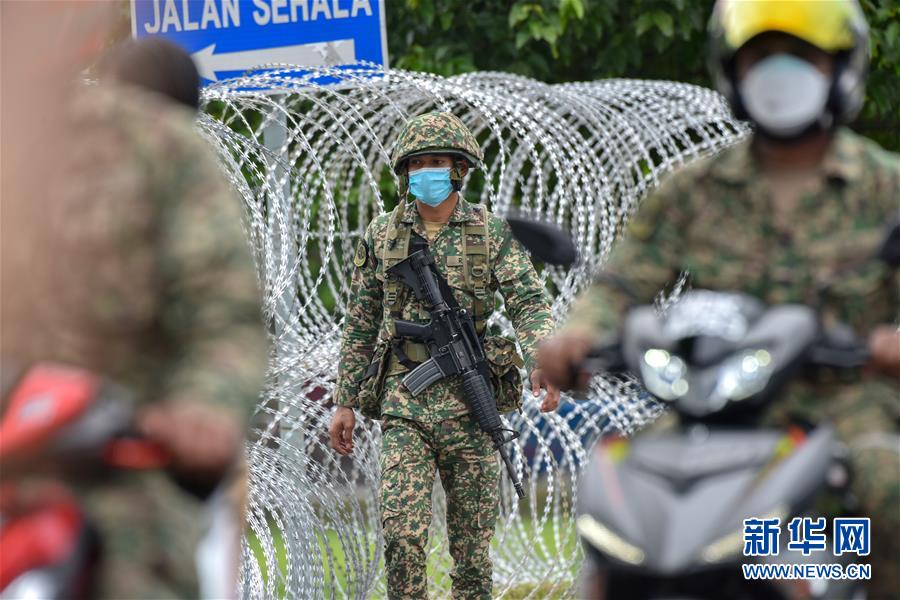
{"x":853,"y":358}
{"x":606,"y":358}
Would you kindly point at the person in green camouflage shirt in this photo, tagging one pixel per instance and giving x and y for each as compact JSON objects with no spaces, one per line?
{"x":800,"y":206}
{"x":476,"y":253}
{"x":123,"y":253}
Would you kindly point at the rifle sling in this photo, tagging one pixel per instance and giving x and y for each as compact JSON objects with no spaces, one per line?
{"x":405,"y":360}
{"x":370,"y":372}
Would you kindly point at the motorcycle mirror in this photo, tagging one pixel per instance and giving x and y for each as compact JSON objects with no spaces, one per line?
{"x":889,"y":251}
{"x":546,"y":242}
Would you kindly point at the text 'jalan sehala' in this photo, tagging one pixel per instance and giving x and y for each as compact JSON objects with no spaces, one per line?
{"x":197,"y":15}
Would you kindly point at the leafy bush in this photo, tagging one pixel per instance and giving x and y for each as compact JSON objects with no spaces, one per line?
{"x":579,"y":40}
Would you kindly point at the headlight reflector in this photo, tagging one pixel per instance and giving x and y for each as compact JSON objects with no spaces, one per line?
{"x":744,"y":374}
{"x":664,"y":374}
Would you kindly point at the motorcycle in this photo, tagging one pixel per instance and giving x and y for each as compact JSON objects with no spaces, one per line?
{"x":719,"y":359}
{"x":661,"y":515}
{"x":59,"y":424}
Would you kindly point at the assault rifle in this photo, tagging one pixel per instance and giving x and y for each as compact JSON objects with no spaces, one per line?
{"x":454,"y":349}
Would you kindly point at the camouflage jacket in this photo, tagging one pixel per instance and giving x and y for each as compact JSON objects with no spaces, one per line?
{"x":368,"y":320}
{"x":129,"y":259}
{"x":714,"y":221}
{"x":157,"y":289}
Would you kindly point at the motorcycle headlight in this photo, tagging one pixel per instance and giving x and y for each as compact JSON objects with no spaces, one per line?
{"x":608,"y":542}
{"x":664,"y":374}
{"x":733,"y":543}
{"x":744,"y":374}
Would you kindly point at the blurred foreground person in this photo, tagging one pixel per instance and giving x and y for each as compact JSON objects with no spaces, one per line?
{"x":123,"y":254}
{"x":791,"y":216}
{"x":160,"y":67}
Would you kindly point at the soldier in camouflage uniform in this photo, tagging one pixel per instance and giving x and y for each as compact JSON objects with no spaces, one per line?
{"x":476,"y":253}
{"x":778,"y":217}
{"x":127,"y":257}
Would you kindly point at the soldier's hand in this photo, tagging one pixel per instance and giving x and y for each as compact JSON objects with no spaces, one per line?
{"x":884,"y":346}
{"x":203,"y":442}
{"x":560,"y":356}
{"x":551,"y":399}
{"x":341,"y":430}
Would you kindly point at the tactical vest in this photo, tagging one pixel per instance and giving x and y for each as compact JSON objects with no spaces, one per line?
{"x":475,"y":261}
{"x":395,"y":356}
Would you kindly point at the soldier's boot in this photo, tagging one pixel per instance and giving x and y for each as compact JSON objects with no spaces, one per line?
{"x":407,"y":479}
{"x":470,"y":475}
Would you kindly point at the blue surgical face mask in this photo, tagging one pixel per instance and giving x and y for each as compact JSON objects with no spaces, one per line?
{"x":431,"y":186}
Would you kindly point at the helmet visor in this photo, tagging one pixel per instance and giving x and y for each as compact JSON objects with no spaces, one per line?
{"x":454,"y":153}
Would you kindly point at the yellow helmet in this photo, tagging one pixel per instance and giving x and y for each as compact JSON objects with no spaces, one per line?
{"x":834,"y":26}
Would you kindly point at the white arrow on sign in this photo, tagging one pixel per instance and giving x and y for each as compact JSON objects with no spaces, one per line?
{"x":338,"y":52}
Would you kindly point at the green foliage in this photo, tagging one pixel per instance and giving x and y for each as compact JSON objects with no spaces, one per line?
{"x":580,"y":40}
{"x":881,"y":115}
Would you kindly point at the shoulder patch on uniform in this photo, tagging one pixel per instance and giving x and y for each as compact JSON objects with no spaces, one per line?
{"x":478,"y":214}
{"x":362,"y":254}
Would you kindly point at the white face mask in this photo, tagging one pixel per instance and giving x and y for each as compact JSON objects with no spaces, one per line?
{"x":784,"y":94}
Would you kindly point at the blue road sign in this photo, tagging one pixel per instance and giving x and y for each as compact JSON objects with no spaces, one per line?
{"x":229,"y":37}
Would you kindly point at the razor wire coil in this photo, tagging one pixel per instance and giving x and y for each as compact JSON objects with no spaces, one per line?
{"x":309,"y":154}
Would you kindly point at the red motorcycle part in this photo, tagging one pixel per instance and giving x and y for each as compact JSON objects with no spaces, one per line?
{"x":51,"y":398}
{"x":135,"y":454}
{"x":42,"y":537}
{"x":48,"y":398}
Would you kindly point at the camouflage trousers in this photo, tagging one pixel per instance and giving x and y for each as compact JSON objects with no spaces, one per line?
{"x":149,"y":530}
{"x":465,"y":459}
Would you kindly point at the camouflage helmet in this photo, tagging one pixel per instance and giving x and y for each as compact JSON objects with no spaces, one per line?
{"x":436,"y":133}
